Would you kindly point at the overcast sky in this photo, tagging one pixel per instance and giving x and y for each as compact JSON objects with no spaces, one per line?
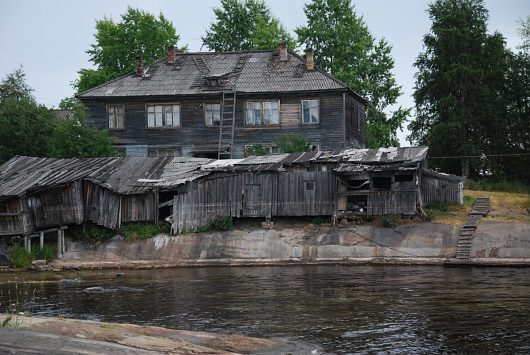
{"x":49,"y":38}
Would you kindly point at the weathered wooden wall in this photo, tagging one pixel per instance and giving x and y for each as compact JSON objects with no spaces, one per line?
{"x":102,"y":206}
{"x":328,"y":134}
{"x":138,"y":208}
{"x":57,"y":206}
{"x":254,"y":195}
{"x":437,"y":189}
{"x":391,"y":202}
{"x":11,"y":217}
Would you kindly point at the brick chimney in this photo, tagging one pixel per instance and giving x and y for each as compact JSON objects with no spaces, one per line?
{"x":284,"y":55}
{"x":139,"y":66}
{"x":309,"y":60}
{"x":171,"y":55}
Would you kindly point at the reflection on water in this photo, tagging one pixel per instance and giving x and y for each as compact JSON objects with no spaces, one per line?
{"x":345,"y":309}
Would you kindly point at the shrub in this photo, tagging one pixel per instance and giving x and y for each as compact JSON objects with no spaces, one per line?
{"x":440,"y":207}
{"x":93,"y":233}
{"x":430,"y":214}
{"x":293,"y":143}
{"x":389,"y":221}
{"x":469,"y":200}
{"x":135,"y":231}
{"x":47,"y":252}
{"x":222,"y":223}
{"x":256,"y":149}
{"x":19,"y":256}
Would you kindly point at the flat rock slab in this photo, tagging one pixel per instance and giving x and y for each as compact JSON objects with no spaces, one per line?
{"x":66,"y":336}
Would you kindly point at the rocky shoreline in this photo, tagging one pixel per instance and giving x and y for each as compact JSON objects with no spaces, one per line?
{"x":415,"y":244}
{"x":39,"y":335}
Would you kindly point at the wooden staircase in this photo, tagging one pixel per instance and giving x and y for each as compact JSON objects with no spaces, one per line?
{"x":226,"y":125}
{"x":480,"y":209}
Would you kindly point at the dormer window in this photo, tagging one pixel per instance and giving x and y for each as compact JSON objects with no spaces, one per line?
{"x":216,"y":80}
{"x":213,"y":83}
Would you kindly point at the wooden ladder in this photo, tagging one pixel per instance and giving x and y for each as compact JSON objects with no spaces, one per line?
{"x":226,"y":125}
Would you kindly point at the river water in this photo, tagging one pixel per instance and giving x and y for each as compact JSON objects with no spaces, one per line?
{"x":342,"y":309}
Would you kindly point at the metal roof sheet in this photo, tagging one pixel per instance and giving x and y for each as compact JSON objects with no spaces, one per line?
{"x":261,"y":72}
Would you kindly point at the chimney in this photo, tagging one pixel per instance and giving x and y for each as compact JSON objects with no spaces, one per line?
{"x":309,"y":60}
{"x":139,"y":66}
{"x":284,"y":56}
{"x":171,"y":55}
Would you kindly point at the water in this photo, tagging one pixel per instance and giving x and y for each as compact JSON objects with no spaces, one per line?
{"x":344,"y":309}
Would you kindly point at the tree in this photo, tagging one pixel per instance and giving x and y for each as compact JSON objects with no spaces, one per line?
{"x":344,"y":47}
{"x":293,"y":143}
{"x":72,"y":139}
{"x":118,"y":44}
{"x":24,"y":125}
{"x":14,"y":86}
{"x":460,"y":84}
{"x":245,"y":25}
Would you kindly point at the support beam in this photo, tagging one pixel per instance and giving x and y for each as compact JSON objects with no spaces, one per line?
{"x":26,"y":242}
{"x":41,"y":235}
{"x":59,"y":244}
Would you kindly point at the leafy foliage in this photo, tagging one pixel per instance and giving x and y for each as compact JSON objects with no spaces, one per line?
{"x":256,"y":149}
{"x":389,"y":221}
{"x":24,"y":125}
{"x":72,"y":139}
{"x":46,"y":253}
{"x":19,"y":257}
{"x":219,"y":223}
{"x":133,"y":231}
{"x":118,"y":44}
{"x":245,"y":25}
{"x":92,"y":233}
{"x":470,"y":94}
{"x":293,"y":143}
{"x":344,"y":47}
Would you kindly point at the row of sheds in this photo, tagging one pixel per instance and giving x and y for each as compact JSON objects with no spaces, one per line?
{"x":39,"y":193}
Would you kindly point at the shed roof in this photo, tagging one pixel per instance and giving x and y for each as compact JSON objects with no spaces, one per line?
{"x":122,"y":175}
{"x":246,"y":72}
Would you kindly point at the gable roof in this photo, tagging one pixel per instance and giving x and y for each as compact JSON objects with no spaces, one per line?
{"x":246,"y":72}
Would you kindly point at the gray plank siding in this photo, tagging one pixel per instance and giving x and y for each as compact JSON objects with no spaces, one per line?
{"x":248,"y":194}
{"x":437,"y":190}
{"x":328,"y":134}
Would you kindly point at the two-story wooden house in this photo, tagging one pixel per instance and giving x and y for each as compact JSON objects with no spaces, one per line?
{"x":218,"y":104}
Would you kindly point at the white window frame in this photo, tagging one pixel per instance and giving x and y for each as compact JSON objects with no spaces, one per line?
{"x":210,"y":114}
{"x":270,"y":108}
{"x":314,"y":111}
{"x":157,"y":115}
{"x":114,"y":121}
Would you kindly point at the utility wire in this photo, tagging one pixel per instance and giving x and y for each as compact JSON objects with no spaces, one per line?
{"x":481,"y":156}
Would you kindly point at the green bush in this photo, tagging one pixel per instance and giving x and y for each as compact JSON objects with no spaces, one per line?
{"x":293,"y":143}
{"x":93,"y":233}
{"x":135,"y":231}
{"x":256,"y":149}
{"x":440,"y":207}
{"x":220,"y":224}
{"x":430,"y":214}
{"x":389,"y":221}
{"x":469,"y":200}
{"x":47,"y":252}
{"x":502,"y":186}
{"x":19,"y":256}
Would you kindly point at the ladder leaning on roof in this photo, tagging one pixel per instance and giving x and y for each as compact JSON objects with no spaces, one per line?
{"x":226,"y":125}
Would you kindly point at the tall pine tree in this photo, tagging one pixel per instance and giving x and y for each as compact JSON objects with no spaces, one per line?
{"x":459,"y":88}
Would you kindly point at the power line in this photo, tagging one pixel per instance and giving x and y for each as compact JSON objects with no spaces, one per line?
{"x":481,"y":156}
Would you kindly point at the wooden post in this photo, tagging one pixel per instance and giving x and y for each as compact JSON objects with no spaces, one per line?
{"x":59,"y":245}
{"x":26,"y":242}
{"x":157,"y":211}
{"x":41,"y":235}
{"x":29,"y":244}
{"x":62,"y":239}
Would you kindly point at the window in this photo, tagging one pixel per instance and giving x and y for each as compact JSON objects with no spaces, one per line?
{"x":310,"y":111}
{"x":164,"y":152}
{"x":163,"y":115}
{"x":358,"y":185}
{"x":212,"y":114}
{"x":115,"y":114}
{"x":262,"y":113}
{"x":381,"y":183}
{"x":309,"y":185}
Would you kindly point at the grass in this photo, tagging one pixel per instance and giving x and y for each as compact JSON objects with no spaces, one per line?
{"x":19,"y":257}
{"x":134,"y":231}
{"x":46,"y":253}
{"x":505,"y":207}
{"x":500,"y":186}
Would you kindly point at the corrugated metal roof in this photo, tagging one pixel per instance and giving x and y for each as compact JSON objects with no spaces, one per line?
{"x":22,"y":174}
{"x":384,"y":155}
{"x":262,"y":71}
